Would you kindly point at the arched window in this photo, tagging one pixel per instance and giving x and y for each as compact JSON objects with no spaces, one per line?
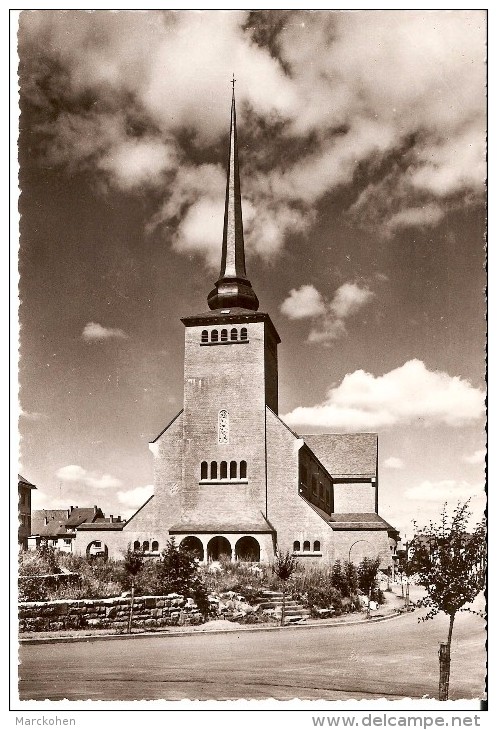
{"x":232,"y":469}
{"x":224,"y":335}
{"x":317,"y":546}
{"x":136,"y":545}
{"x":203,"y":470}
{"x":155,"y":546}
{"x":146,"y":546}
{"x":234,"y":334}
{"x":205,"y":336}
{"x":307,"y":546}
{"x":243,"y":333}
{"x":214,"y":336}
{"x":243,"y":470}
{"x":213,"y":469}
{"x":224,"y":470}
{"x":296,"y":546}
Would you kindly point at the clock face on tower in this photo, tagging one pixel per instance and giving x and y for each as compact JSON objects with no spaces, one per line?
{"x":223,"y":427}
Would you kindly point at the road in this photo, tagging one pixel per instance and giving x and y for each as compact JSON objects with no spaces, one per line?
{"x":392,"y":659}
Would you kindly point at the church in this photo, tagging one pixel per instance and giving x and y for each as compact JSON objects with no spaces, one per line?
{"x":231,"y":478}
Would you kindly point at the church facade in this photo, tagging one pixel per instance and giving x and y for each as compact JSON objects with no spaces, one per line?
{"x":231,"y":478}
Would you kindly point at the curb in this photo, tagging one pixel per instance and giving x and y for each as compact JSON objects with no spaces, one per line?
{"x":165,"y":634}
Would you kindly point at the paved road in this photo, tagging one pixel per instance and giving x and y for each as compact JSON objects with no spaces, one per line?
{"x":392,"y":659}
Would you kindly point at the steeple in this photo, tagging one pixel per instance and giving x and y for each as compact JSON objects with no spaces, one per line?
{"x":233,"y":289}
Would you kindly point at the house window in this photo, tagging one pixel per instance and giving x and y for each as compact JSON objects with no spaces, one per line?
{"x":136,"y":545}
{"x":223,"y":427}
{"x":224,"y":335}
{"x":232,"y":469}
{"x":243,"y":333}
{"x":296,"y":546}
{"x":155,"y":546}
{"x":213,"y":469}
{"x":146,"y":546}
{"x":97,"y":544}
{"x":307,"y":546}
{"x":205,"y":336}
{"x":234,"y":334}
{"x":317,"y":546}
{"x":214,"y":336}
{"x":243,"y":470}
{"x":203,"y":470}
{"x":224,"y":470}
{"x":67,"y":541}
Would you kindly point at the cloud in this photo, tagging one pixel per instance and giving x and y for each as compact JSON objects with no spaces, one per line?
{"x":446,"y":490}
{"x":94,"y":332}
{"x":135,"y":497}
{"x":308,"y":302}
{"x":410,"y":394}
{"x":393,"y":462}
{"x":304,"y":302}
{"x":33,"y":415}
{"x":477,"y":457}
{"x":311,"y":111}
{"x":75,"y":473}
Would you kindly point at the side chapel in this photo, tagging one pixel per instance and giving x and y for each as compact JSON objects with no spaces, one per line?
{"x":231,"y":478}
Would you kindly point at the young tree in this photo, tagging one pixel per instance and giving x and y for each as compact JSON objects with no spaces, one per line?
{"x":284,"y":566}
{"x":451,"y":564}
{"x":179,"y":573}
{"x":133,"y":563}
{"x":366,"y":576}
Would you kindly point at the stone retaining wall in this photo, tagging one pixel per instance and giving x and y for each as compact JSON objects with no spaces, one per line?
{"x":108,"y":613}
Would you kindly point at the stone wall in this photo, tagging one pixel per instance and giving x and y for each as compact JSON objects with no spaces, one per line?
{"x":108,"y":613}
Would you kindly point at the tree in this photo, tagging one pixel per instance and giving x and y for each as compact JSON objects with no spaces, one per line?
{"x":451,"y":564}
{"x":179,"y":574}
{"x":366,"y":577}
{"x":406,"y":567}
{"x":284,"y":566}
{"x":133,"y":564}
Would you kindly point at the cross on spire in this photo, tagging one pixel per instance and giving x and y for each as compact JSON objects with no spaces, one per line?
{"x":232,"y":82}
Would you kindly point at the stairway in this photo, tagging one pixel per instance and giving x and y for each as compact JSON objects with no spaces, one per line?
{"x":273,"y":601}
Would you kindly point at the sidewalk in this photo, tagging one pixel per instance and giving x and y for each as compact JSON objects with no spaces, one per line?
{"x":389,"y":610}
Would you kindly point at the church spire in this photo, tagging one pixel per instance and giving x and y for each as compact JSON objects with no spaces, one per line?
{"x":233,"y":289}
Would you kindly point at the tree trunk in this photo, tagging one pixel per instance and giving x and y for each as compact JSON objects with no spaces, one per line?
{"x":368,"y":613}
{"x":444,"y":658}
{"x":131,"y":606}
{"x":283,"y":607}
{"x":408,"y":602}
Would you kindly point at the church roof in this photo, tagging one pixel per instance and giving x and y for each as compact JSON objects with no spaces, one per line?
{"x":359,"y":521}
{"x":23,"y":481}
{"x":261,"y":525}
{"x":346,"y":454}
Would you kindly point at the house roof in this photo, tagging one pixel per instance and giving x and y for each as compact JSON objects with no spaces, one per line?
{"x":345,"y":454}
{"x":78,"y":515}
{"x":24,"y":482}
{"x":54,"y":517}
{"x":358,"y":521}
{"x":101,"y":526}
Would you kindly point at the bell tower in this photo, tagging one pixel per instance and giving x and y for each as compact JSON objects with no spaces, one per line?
{"x":230,"y":376}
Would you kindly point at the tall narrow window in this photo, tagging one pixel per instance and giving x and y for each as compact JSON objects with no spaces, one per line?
{"x":205,"y":336}
{"x":146,"y":546}
{"x":223,"y":427}
{"x":296,"y":546}
{"x":307,"y":546}
{"x":223,"y":473}
{"x":243,"y":470}
{"x":203,"y":470}
{"x":314,"y":484}
{"x":317,"y":546}
{"x":155,"y":546}
{"x":213,"y":469}
{"x":234,"y":334}
{"x":224,"y":335}
{"x":232,"y":469}
{"x":214,"y":336}
{"x":303,"y":474}
{"x":243,"y":333}
{"x":136,"y":545}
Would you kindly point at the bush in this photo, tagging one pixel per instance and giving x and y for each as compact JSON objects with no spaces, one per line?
{"x":325,"y":596}
{"x":43,"y":561}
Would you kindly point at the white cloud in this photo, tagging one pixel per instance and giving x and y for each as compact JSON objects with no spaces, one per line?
{"x":94,"y":332}
{"x":135,"y":497}
{"x":477,"y":457}
{"x":33,"y":415}
{"x":410,"y":394}
{"x":330,"y":316}
{"x":445,"y":490}
{"x":304,"y":302}
{"x":157,"y":75}
{"x":393,"y":462}
{"x":76,"y":473}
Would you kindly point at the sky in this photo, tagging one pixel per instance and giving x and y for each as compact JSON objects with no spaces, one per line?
{"x":362,"y":152}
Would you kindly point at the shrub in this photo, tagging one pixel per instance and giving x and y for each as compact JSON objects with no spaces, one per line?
{"x":43,"y":561}
{"x":325,"y":596}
